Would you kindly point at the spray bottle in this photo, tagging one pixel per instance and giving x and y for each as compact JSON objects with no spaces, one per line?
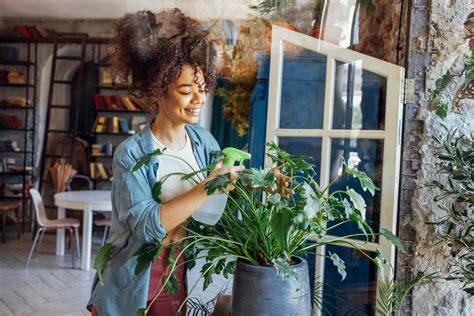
{"x":211,"y":211}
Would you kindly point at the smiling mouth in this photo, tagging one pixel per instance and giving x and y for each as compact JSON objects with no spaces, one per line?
{"x":193,"y":111}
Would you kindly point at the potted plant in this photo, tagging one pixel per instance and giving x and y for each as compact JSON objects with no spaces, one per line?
{"x":262,"y":233}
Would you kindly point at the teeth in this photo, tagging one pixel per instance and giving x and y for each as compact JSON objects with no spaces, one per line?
{"x":193,"y":110}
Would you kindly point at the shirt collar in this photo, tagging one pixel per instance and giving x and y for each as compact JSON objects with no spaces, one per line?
{"x":147,"y":137}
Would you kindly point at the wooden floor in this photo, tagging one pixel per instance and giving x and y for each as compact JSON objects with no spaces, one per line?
{"x":51,"y":287}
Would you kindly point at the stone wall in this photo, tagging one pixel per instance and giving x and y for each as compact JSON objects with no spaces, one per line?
{"x":446,"y":49}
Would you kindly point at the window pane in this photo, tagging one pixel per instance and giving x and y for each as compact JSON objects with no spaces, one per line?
{"x":367,"y":156}
{"x":302,"y":91}
{"x":356,"y":294}
{"x":359,"y":100}
{"x":307,"y":146}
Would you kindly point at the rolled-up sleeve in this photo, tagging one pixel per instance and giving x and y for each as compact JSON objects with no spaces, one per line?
{"x":136,"y":207}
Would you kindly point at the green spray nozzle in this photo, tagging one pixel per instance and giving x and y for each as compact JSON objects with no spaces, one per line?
{"x":233,"y":154}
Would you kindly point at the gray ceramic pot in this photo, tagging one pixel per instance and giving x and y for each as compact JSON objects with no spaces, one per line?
{"x":258,"y":291}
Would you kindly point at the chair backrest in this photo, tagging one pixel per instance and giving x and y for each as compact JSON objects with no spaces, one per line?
{"x":90,"y":184}
{"x":41,"y":217}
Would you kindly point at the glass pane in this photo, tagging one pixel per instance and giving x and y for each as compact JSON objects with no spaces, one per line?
{"x":307,"y":146}
{"x":359,"y":100}
{"x":356,"y":294}
{"x":302,"y":91}
{"x":367,"y":156}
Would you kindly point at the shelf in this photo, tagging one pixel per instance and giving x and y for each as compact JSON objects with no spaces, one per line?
{"x":56,"y":156}
{"x":15,"y":152}
{"x":13,"y":173}
{"x":49,"y":39}
{"x":119,"y":111}
{"x":16,"y":85}
{"x":17,"y":129}
{"x":59,"y":131}
{"x":13,"y":197}
{"x":103,"y":64}
{"x":12,"y":107}
{"x":124,"y":88}
{"x":115,"y":134}
{"x":16,"y":62}
{"x":101,"y":180}
{"x":74,"y":58}
{"x":62,"y":82}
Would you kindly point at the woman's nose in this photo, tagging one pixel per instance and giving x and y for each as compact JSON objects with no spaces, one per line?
{"x":198,"y":98}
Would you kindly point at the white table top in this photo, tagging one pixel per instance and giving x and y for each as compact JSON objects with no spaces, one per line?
{"x":77,"y":200}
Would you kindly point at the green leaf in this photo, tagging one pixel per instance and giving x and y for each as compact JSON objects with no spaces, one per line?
{"x":146,"y":159}
{"x":281,"y":224}
{"x":172,"y":286}
{"x":441,"y":109}
{"x":218,"y":184}
{"x":358,"y":201}
{"x":311,"y":208}
{"x":156,"y":191}
{"x":339,"y":264}
{"x":229,"y":269}
{"x":263,"y":178}
{"x":141,"y":312}
{"x":285,"y":271}
{"x":146,"y":254}
{"x":392,"y":238}
{"x":207,"y":271}
{"x":378,"y":262}
{"x":274,"y":199}
{"x":347,"y":208}
{"x":101,"y":261}
{"x":365,"y":182}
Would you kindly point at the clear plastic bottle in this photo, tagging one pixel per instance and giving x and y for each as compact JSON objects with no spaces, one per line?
{"x":211,"y":211}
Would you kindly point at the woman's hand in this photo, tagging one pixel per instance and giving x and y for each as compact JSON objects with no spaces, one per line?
{"x":221,"y":169}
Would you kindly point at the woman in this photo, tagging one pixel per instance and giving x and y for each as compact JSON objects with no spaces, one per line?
{"x":170,"y":65}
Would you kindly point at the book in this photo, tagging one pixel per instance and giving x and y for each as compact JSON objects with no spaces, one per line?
{"x":33,"y":31}
{"x":115,"y":125}
{"x":128,"y":104}
{"x":118,"y":101}
{"x":92,"y":170}
{"x":101,"y":170}
{"x":8,"y":163}
{"x":97,"y":150}
{"x":23,"y":31}
{"x":100,"y":124}
{"x":11,"y":145}
{"x":124,"y":128}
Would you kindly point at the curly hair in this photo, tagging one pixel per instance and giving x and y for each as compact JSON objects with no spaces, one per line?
{"x":150,"y":50}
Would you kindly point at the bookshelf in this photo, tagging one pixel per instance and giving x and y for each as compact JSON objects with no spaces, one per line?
{"x":18,"y":59}
{"x":116,"y":117}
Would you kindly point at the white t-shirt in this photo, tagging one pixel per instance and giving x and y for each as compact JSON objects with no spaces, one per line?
{"x":174,"y":186}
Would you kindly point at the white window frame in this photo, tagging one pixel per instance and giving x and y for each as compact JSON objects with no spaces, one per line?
{"x":391,"y":135}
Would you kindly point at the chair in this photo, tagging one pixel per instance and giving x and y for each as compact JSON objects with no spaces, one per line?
{"x":105,"y":222}
{"x":44,"y":224}
{"x":5,"y":208}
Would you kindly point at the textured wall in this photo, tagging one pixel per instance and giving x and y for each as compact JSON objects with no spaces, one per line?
{"x":448,"y":50}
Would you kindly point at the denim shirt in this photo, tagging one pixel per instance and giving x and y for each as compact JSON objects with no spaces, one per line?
{"x":135,"y":212}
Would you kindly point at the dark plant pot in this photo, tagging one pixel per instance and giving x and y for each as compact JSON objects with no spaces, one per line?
{"x":258,"y":291}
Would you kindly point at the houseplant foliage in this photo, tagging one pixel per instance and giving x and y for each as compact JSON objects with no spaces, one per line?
{"x":455,"y":196}
{"x":268,"y":219}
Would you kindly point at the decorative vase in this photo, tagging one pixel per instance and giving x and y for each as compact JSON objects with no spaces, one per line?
{"x":257,"y":290}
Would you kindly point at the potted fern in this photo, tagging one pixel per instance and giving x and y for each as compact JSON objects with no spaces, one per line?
{"x":261,"y":236}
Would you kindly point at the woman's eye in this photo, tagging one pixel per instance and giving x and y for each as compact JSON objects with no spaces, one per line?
{"x":185,"y":92}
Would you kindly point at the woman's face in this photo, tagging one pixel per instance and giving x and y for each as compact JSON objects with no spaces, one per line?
{"x":184,"y":99}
